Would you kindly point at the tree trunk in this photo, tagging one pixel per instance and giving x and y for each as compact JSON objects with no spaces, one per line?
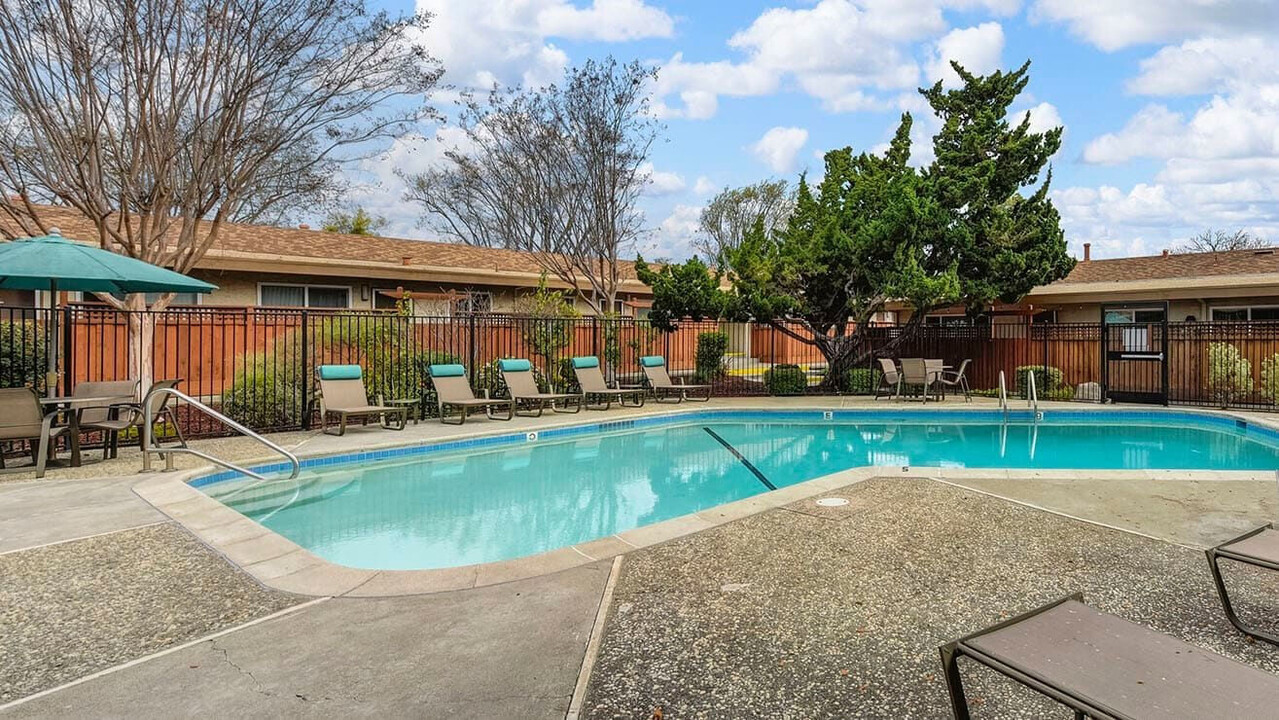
{"x":141,"y":326}
{"x":846,"y":352}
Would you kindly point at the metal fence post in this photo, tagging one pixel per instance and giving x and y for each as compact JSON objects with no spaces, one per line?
{"x":306,"y":372}
{"x":473,"y":351}
{"x":68,"y":351}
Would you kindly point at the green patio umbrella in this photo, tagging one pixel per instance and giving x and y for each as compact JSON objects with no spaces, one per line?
{"x":54,"y":263}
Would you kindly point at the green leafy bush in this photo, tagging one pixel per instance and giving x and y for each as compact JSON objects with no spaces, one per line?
{"x":563,"y":377}
{"x":1270,"y":378}
{"x":1229,"y":373}
{"x":265,"y":395}
{"x":862,"y":381}
{"x":1048,"y":379}
{"x":22,"y":355}
{"x":785,"y":380}
{"x":711,"y":347}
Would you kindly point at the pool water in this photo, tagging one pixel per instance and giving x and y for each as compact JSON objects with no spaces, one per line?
{"x":487,"y":504}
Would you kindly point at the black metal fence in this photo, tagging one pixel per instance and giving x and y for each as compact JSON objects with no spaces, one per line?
{"x":257,"y":365}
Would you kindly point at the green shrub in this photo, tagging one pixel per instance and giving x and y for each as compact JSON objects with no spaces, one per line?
{"x":1047,"y":380}
{"x":265,"y":395}
{"x":862,"y":381}
{"x":1229,"y":373}
{"x":1270,"y":378}
{"x":22,"y":355}
{"x":785,"y":380}
{"x":711,"y":347}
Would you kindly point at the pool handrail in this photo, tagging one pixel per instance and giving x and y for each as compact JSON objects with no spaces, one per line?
{"x":1032,"y":395}
{"x":1003,"y":394}
{"x":168,"y":452}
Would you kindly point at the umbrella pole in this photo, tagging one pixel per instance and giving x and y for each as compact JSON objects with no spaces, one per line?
{"x":51,"y":351}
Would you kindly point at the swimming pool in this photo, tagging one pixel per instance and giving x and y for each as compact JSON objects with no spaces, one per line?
{"x":496,"y":498}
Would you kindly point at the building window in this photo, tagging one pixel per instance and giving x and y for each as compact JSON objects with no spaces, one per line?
{"x":473,"y":303}
{"x":317,"y":296}
{"x":385,"y":299}
{"x":1134,"y":316}
{"x":1257,"y":313}
{"x":948,"y":320}
{"x":182,"y":298}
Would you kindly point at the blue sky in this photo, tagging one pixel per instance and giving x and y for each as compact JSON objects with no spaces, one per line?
{"x":1171,"y":107}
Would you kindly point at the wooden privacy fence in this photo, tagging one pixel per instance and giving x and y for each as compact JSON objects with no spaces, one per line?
{"x":260,"y":362}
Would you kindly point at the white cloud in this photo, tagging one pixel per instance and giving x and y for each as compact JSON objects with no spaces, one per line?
{"x":674,"y":235}
{"x":660,"y":182}
{"x":605,"y":20}
{"x":705,"y":186}
{"x":1112,"y":24}
{"x":779,"y":147}
{"x":699,"y":85}
{"x":978,"y":49}
{"x":509,"y":41}
{"x":1206,"y":65}
{"x":1043,"y":117}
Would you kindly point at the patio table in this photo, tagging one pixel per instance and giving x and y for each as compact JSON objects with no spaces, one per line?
{"x":72,"y":406}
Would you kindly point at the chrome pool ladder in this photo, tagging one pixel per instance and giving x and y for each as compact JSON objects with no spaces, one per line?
{"x":148,"y":417}
{"x":1003,"y":395}
{"x":1032,"y":395}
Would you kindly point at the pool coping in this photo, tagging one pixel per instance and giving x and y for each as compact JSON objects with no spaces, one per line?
{"x":278,"y":562}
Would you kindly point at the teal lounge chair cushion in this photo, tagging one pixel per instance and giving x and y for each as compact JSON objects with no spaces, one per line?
{"x":581,"y":363}
{"x":448,"y":371}
{"x":341,"y":372}
{"x":514,"y":365}
{"x":652,"y":361}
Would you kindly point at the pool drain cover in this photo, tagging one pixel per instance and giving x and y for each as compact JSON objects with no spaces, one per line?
{"x":832,"y":502}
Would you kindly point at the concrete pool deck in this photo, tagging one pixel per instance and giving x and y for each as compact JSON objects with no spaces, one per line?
{"x":532,"y":634}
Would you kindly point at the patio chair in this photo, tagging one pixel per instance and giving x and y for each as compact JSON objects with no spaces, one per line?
{"x":22,"y":418}
{"x":522,"y":386}
{"x":121,"y":417}
{"x":659,"y":381}
{"x":342,"y":394}
{"x":594,"y":388}
{"x":916,"y":374}
{"x":453,"y":390}
{"x":1102,"y":666}
{"x":958,"y":379}
{"x":890,"y":380}
{"x":1259,"y":548}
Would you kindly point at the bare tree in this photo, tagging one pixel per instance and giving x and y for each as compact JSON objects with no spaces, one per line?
{"x":1212,"y":240}
{"x":161,"y":120}
{"x":555,"y":171}
{"x":732,"y":212}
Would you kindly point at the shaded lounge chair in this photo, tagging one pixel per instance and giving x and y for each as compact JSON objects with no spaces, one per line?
{"x":453,"y":390}
{"x":597,"y":394}
{"x":1102,"y":666}
{"x":1259,"y":548}
{"x":958,"y":379}
{"x":659,"y":381}
{"x":890,"y":380}
{"x":121,"y":417}
{"x":342,"y":394}
{"x":23,"y":418}
{"x":518,"y":376}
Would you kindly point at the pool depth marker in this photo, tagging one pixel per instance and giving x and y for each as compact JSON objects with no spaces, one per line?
{"x":759,"y":475}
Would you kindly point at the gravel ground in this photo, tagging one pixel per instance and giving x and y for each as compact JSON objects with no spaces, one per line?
{"x":72,"y":609}
{"x":810,"y":612}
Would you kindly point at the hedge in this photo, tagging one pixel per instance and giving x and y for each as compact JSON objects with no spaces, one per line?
{"x":785,"y":380}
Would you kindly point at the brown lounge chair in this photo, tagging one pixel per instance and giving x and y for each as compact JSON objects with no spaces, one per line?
{"x":1102,"y":666}
{"x":659,"y":381}
{"x":595,"y":392}
{"x":454,"y":391}
{"x":522,"y":386}
{"x":22,"y":418}
{"x":1259,"y":548}
{"x":342,"y":393}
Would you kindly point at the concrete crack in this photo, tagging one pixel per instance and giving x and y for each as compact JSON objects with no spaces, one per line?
{"x":226,"y":657}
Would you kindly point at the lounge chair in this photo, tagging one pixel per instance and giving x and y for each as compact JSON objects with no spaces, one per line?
{"x":890,"y":380}
{"x":595,"y":392}
{"x":1102,"y":666}
{"x":342,"y":394}
{"x":453,"y":390}
{"x":23,"y":418}
{"x":659,"y":381}
{"x":1259,"y":548}
{"x":121,"y":417}
{"x":916,"y":374}
{"x":958,"y":379}
{"x":518,"y":376}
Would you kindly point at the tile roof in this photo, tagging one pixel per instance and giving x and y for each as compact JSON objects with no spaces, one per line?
{"x":285,"y":244}
{"x":1175,"y":267}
